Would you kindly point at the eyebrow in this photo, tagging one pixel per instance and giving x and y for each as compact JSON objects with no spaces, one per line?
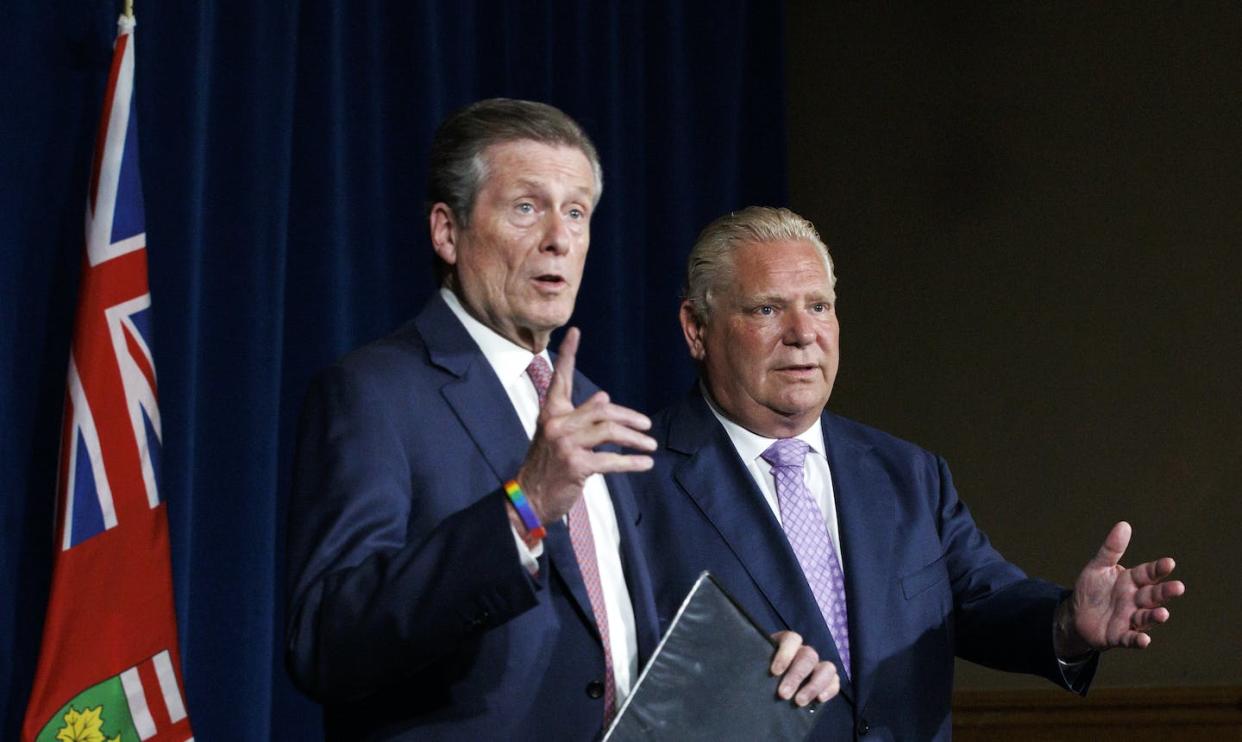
{"x":816,"y":298}
{"x":535,"y":185}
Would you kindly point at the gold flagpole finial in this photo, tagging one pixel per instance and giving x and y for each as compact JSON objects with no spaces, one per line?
{"x":129,"y":8}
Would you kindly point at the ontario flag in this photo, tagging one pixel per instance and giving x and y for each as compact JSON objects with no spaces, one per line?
{"x":109,"y":667}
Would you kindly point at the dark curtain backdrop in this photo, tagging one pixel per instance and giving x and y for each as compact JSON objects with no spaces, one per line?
{"x":283,"y":148}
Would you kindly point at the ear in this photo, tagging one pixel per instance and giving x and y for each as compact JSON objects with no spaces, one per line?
{"x":444,"y":232}
{"x":693,"y":330}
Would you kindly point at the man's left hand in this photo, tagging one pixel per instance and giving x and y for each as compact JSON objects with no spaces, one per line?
{"x":1112,"y":606}
{"x":805,"y":677}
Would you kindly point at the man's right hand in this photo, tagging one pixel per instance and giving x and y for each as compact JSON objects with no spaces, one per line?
{"x":562,"y":454}
{"x":804,"y":677}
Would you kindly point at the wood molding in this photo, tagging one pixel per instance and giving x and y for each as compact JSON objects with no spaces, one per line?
{"x":1134,"y":714}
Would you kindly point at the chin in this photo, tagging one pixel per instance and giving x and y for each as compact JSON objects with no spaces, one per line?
{"x":805,"y":401}
{"x":547,"y":313}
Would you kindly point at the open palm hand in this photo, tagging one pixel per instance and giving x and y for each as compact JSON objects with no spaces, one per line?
{"x":1115,"y":606}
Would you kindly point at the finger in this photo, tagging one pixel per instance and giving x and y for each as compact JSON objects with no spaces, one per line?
{"x":562,"y":385}
{"x":1114,"y":546}
{"x":612,"y":463}
{"x":787,"y":644}
{"x":598,"y":409}
{"x":833,"y":688}
{"x":800,"y":669}
{"x":1144,"y":619}
{"x":560,"y":412}
{"x":1158,"y":594}
{"x":593,"y":424}
{"x":612,"y":432}
{"x":1149,"y":573}
{"x":819,"y":686}
{"x":630,"y":418}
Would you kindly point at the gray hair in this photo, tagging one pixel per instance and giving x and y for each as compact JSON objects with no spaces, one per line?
{"x":458,"y":168}
{"x":711,"y":258}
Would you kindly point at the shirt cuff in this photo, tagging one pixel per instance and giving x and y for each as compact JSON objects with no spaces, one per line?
{"x":528,"y":556}
{"x":1073,"y":671}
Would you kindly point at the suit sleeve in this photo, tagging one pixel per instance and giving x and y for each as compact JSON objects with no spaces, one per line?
{"x":371,"y":603}
{"x":1003,"y":619}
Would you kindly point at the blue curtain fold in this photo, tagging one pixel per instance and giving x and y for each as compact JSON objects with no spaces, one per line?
{"x":283,"y":151}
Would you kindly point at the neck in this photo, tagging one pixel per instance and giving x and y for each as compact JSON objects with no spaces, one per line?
{"x":530,"y":339}
{"x":766,"y":423}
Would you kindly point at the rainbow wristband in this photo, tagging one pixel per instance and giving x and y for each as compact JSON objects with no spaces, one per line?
{"x":534,"y":528}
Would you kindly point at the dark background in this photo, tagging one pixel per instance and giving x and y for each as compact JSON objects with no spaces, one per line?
{"x":1036,"y":210}
{"x":1033,"y":209}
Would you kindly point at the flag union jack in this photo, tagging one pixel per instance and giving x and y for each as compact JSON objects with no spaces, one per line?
{"x":109,"y":665}
{"x":111,"y":437}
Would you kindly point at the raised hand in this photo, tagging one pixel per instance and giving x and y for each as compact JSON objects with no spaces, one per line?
{"x":1113,"y":606}
{"x":562,"y":454}
{"x":803,"y":676}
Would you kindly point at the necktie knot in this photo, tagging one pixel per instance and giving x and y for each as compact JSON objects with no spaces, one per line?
{"x":786,"y":452}
{"x":540,"y":373}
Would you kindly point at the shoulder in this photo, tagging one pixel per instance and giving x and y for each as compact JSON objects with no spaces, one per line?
{"x":686,"y":424}
{"x":661,"y":421}
{"x":433,"y":346}
{"x":851,"y":430}
{"x":395,"y":360}
{"x":883,"y":454}
{"x":662,"y":418}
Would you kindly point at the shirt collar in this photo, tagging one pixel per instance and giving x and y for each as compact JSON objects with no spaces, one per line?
{"x":508,"y":359}
{"x":750,"y":445}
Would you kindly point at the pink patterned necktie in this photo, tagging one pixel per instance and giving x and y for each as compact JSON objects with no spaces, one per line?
{"x":804,"y":526}
{"x":584,"y":549}
{"x":540,"y":373}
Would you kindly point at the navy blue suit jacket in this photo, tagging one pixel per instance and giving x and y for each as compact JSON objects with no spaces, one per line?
{"x":411,"y":616}
{"x":922,"y":582}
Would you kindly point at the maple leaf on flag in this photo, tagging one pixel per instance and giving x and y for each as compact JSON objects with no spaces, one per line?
{"x":84,"y":726}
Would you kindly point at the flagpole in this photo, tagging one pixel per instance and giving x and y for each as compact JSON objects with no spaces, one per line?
{"x":129,"y":9}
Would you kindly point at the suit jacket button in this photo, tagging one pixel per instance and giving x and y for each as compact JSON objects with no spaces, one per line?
{"x":863,"y":727}
{"x":595,"y":689}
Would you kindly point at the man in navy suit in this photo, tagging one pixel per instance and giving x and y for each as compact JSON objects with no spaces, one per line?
{"x":855,"y":538}
{"x":463,"y":548}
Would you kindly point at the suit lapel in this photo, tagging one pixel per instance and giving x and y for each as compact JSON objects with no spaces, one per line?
{"x":560,"y":548}
{"x":637,"y":578}
{"x":475,"y":394}
{"x":866,"y":525}
{"x":484,"y":409}
{"x":716,"y":479}
{"x":560,"y":552}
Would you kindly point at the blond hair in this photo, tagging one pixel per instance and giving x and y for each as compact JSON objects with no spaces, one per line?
{"x":711,"y":258}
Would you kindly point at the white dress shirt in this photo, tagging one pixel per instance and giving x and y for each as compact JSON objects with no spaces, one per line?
{"x":750,"y":447}
{"x":509,"y":361}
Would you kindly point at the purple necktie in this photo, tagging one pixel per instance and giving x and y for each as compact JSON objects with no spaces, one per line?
{"x":804,"y":526}
{"x":584,"y":549}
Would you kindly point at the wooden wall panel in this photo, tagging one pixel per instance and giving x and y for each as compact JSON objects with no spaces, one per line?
{"x":1210,"y":714}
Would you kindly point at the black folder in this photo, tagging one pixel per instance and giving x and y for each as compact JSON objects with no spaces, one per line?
{"x":709,"y":680}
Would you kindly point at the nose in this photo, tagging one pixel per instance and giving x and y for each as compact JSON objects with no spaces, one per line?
{"x":557,"y":237}
{"x":799,"y":328}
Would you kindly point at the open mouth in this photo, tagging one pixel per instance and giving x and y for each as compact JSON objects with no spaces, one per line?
{"x":550,"y":280}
